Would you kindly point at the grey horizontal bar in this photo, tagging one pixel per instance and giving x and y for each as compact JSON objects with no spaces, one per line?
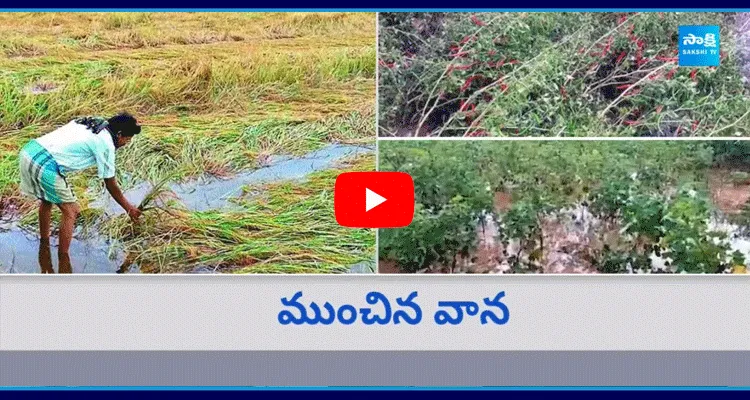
{"x":423,"y":368}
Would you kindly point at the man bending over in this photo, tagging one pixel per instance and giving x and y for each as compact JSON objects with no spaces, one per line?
{"x":46,"y":162}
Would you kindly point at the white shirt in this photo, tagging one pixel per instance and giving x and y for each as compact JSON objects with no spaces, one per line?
{"x":74,"y":147}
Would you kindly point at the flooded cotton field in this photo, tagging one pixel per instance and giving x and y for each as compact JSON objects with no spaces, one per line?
{"x":572,"y":207}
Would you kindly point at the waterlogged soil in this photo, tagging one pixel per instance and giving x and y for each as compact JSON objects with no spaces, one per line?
{"x":572,"y":235}
{"x":214,"y":193}
{"x":20,"y":250}
{"x":729,"y":196}
{"x":20,"y":253}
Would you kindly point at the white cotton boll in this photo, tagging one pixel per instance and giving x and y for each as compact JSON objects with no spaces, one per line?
{"x":634,"y":176}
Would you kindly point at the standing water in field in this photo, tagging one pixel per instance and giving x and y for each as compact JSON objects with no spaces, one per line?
{"x":571,"y":236}
{"x":20,"y":253}
{"x":212,"y":193}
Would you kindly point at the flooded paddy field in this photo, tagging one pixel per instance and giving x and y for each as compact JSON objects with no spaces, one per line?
{"x":574,"y":207}
{"x":555,"y":74}
{"x":247,"y":120}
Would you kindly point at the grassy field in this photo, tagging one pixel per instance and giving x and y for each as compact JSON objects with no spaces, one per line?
{"x":558,"y":74}
{"x":217,"y":94}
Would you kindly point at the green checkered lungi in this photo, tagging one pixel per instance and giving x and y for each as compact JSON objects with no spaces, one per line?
{"x":41,"y":177}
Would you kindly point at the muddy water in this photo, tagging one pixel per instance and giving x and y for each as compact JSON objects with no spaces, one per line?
{"x":20,"y":253}
{"x":212,"y":193}
{"x":20,"y":249}
{"x":570,"y":238}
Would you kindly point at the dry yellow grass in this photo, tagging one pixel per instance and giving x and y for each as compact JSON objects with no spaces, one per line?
{"x":203,"y":85}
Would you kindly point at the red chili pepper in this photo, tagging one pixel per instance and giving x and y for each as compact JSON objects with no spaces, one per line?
{"x":503,"y":87}
{"x":581,"y":50}
{"x":388,"y":65}
{"x":563,"y":92}
{"x":461,"y":54}
{"x":491,"y":53}
{"x":671,"y":73}
{"x":629,"y":122}
{"x":462,"y":67}
{"x":513,"y":62}
{"x":467,"y":39}
{"x":633,"y":92}
{"x":466,"y":106}
{"x":677,"y":132}
{"x":476,"y":21}
{"x":623,"y":87}
{"x":607,"y":46}
{"x":695,"y":125}
{"x":620,"y":57}
{"x":622,"y":19}
{"x":467,"y":83}
{"x":692,"y":74}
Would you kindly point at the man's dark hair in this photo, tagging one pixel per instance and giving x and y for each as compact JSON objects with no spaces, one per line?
{"x":125,"y":124}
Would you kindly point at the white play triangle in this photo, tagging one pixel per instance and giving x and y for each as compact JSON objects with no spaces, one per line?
{"x":372,"y":199}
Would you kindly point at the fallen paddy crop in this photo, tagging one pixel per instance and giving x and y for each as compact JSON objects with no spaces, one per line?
{"x":219,"y":95}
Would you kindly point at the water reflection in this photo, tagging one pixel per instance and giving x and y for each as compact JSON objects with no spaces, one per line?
{"x":21,"y":251}
{"x":214,"y":193}
{"x":128,"y":265}
{"x":45,"y":259}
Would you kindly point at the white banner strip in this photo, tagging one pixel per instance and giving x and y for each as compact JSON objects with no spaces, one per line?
{"x":218,"y":312}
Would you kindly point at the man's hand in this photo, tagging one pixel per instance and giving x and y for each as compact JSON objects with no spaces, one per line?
{"x":134,"y":214}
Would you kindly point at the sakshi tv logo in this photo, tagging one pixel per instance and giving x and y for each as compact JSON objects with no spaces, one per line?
{"x":699,"y":46}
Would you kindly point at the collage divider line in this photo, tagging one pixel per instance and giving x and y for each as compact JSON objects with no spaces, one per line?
{"x":578,"y":138}
{"x":377,"y":127}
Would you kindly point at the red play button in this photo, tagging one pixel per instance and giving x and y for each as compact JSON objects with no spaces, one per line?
{"x":374,"y":199}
